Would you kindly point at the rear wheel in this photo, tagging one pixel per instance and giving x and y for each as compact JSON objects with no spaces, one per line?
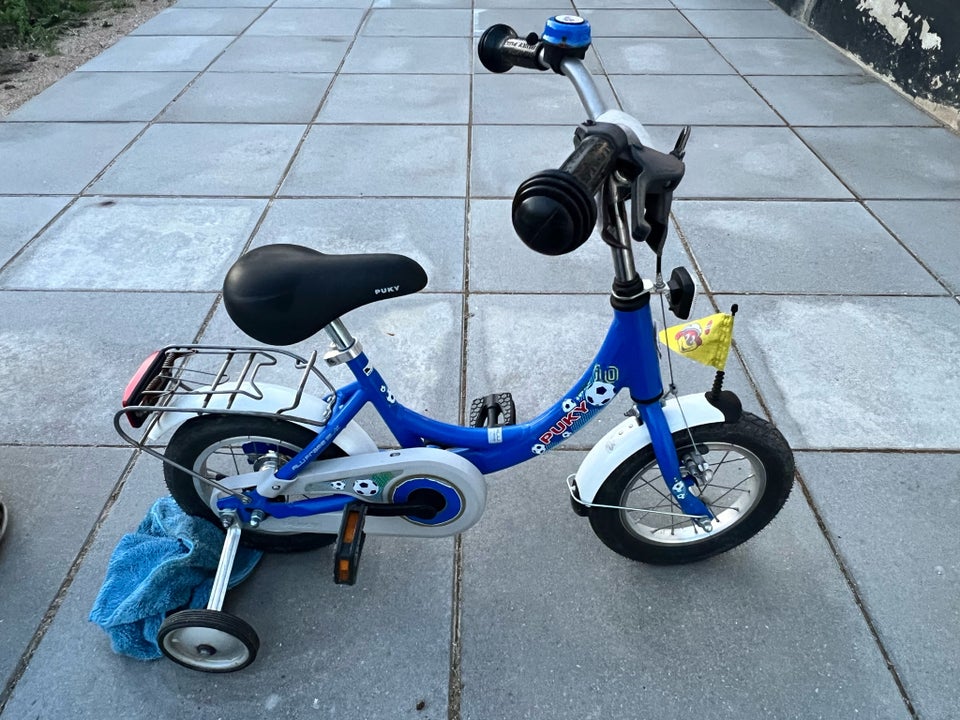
{"x":218,"y":446}
{"x":752,"y":468}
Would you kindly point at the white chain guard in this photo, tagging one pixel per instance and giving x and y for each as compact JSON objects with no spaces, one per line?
{"x":402,"y":465}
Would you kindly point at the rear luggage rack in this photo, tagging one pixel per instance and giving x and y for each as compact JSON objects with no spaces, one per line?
{"x":222,"y":380}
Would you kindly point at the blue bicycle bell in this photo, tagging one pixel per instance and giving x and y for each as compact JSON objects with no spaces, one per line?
{"x":568,"y":31}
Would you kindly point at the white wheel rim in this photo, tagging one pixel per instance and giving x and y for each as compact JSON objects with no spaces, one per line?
{"x":206,"y":648}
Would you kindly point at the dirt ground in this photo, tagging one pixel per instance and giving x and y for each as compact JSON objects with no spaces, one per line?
{"x":25,"y":73}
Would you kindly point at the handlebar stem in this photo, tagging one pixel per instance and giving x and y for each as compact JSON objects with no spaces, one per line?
{"x":624,"y":267}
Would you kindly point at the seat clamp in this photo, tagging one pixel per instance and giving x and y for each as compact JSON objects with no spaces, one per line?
{"x":335,"y":356}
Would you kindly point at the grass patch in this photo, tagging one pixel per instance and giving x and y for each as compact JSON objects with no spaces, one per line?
{"x":37,"y":23}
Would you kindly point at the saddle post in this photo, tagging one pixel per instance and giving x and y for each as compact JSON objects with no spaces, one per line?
{"x":339,"y":335}
{"x":344,"y":346}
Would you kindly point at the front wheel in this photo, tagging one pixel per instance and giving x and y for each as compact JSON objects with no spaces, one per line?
{"x":752,"y":468}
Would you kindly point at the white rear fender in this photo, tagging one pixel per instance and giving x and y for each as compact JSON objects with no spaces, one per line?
{"x":629,"y":436}
{"x":353,"y":440}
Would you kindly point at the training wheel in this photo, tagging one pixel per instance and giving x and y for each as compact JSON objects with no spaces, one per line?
{"x":208,"y":640}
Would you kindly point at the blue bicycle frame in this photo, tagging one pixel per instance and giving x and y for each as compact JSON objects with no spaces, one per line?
{"x":627,"y":359}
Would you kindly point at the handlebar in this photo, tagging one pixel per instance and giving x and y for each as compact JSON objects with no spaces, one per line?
{"x":554,"y":211}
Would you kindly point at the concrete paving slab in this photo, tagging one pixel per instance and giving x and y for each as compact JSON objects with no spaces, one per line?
{"x":662,"y":56}
{"x":887,"y":393}
{"x":501,"y":263}
{"x":108,"y":97}
{"x":757,"y":162}
{"x":397,"y":99}
{"x":910,"y":588}
{"x":555,"y":625}
{"x":785,"y":56}
{"x":639,"y":23}
{"x":250,"y":98}
{"x":723,"y":4}
{"x":137,"y":244}
{"x":551,"y":6}
{"x":503,"y":354}
{"x":64,"y":367}
{"x":693,"y":100}
{"x":283,"y":54}
{"x":357,"y":160}
{"x":225,"y":3}
{"x":312,"y":22}
{"x":418,"y":22}
{"x":427,"y":4}
{"x":203,"y":159}
{"x":199,"y":21}
{"x":916,"y":162}
{"x":534,"y":99}
{"x":726,"y":23}
{"x":414,"y":341}
{"x":798,"y":247}
{"x":22,"y":217}
{"x":362,"y":4}
{"x":503,"y":156}
{"x":158,"y":54}
{"x":626,"y":4}
{"x":428,"y":230}
{"x":45,"y":535}
{"x":379,"y":647}
{"x":929,"y":229}
{"x":838,"y":100}
{"x":522,"y":19}
{"x":58,"y":158}
{"x":425,"y":55}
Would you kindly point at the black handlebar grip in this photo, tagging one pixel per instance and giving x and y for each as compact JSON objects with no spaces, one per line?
{"x":554,"y":211}
{"x":500,"y":49}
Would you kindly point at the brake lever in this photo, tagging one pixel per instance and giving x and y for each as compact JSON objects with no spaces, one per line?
{"x":680,"y":149}
{"x":653,"y":187}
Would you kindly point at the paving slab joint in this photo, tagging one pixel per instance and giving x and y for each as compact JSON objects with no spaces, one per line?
{"x":858,"y":598}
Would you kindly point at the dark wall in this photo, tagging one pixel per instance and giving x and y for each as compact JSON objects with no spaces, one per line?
{"x":917,"y":42}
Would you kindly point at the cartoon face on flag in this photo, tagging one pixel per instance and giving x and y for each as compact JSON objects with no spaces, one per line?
{"x":706,"y":340}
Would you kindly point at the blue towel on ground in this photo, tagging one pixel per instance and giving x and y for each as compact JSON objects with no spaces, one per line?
{"x":167,"y":564}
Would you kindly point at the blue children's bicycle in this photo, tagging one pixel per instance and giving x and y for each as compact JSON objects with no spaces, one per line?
{"x":283,"y":466}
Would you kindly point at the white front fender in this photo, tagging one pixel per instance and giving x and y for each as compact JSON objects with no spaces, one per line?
{"x":353,"y":439}
{"x":629,"y":436}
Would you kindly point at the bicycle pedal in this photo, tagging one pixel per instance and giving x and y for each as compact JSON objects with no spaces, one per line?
{"x":346,"y":556}
{"x":493,"y":411}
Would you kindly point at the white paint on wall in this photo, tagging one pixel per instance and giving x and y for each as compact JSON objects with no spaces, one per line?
{"x":929,"y":40}
{"x":885,"y":12}
{"x":893,"y":15}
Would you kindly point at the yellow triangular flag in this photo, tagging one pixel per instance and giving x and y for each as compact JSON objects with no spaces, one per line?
{"x":706,"y":340}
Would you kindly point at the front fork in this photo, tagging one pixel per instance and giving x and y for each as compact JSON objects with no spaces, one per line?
{"x":666,"y":453}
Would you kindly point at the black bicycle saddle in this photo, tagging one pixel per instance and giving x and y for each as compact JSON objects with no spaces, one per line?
{"x":282,"y":294}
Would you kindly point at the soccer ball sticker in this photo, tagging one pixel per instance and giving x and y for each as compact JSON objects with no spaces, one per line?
{"x":539,"y":449}
{"x":338,"y":485}
{"x":599,"y":393}
{"x":365,"y":487}
{"x":568,"y":405}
